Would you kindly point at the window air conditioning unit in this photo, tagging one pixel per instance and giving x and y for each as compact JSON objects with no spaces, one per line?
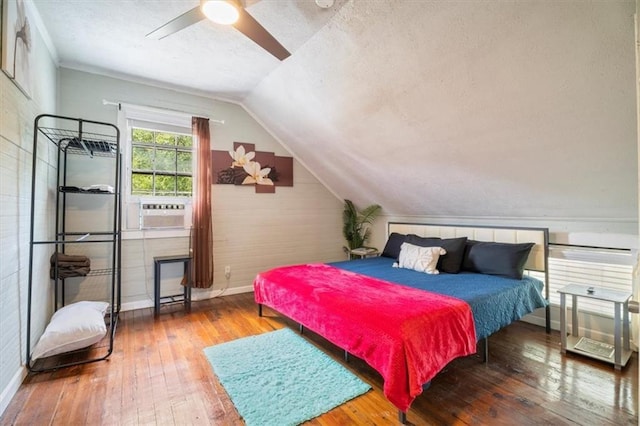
{"x":155,"y":215}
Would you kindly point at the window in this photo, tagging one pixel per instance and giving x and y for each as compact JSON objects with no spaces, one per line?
{"x":161,"y":163}
{"x":158,"y":153}
{"x":158,"y":169}
{"x":598,"y":267}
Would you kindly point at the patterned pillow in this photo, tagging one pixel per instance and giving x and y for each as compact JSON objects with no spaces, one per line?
{"x":421,"y":259}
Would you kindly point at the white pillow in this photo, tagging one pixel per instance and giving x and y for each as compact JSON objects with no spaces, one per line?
{"x":72,"y":327}
{"x":421,"y":259}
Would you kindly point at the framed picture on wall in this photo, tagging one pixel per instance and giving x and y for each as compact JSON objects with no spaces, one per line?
{"x":17,"y":44}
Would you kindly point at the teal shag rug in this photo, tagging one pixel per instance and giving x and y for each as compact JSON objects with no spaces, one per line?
{"x":278,"y":378}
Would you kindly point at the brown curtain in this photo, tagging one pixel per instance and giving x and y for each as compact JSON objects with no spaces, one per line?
{"x":202,"y":234}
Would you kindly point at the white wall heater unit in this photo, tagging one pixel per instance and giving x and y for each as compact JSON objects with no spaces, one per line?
{"x":154,"y":215}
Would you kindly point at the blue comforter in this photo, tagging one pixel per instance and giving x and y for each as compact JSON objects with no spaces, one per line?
{"x":495,"y":301}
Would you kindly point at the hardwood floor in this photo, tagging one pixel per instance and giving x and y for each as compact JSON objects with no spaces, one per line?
{"x":159,"y":375}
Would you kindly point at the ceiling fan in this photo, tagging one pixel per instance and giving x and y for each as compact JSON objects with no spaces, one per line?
{"x":227,"y":12}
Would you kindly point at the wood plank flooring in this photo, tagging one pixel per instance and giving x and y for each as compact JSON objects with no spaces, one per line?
{"x":158,"y":375}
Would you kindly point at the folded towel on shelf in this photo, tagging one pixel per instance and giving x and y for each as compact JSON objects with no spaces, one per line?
{"x":68,"y":188}
{"x":99,"y":188}
{"x":69,"y":265}
{"x":79,"y":264}
{"x":69,"y":272}
{"x":68,"y":258}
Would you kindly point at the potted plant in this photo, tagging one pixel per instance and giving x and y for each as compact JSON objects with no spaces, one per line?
{"x":357,"y":224}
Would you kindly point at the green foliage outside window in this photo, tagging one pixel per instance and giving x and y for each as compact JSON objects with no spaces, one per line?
{"x":161,"y":163}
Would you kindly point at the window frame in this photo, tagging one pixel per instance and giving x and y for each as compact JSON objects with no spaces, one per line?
{"x":161,"y":120}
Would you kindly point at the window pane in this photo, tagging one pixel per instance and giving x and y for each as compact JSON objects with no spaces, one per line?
{"x":141,"y":135}
{"x":165,"y":138}
{"x":184,"y":140}
{"x":184,"y":186}
{"x":142,"y":158}
{"x":184,"y":162}
{"x":166,"y":160}
{"x":141,"y":184}
{"x":157,"y":157}
{"x":165,"y":185}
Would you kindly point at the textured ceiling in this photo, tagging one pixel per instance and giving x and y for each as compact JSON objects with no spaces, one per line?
{"x":109,"y":37}
{"x":487,"y":108}
{"x":456,"y":108}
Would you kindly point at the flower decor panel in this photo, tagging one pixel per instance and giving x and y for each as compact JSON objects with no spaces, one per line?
{"x":284,"y":166}
{"x":17,"y":44}
{"x":247,"y":167}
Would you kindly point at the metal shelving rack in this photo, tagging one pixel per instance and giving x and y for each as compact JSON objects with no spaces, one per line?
{"x":92,"y":139}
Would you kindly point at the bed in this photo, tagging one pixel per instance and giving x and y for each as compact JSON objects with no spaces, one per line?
{"x":408,"y":324}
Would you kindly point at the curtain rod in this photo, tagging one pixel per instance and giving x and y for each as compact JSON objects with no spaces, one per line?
{"x":120,"y":104}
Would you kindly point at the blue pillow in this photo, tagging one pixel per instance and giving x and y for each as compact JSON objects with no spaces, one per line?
{"x":392,"y":248}
{"x":503,"y":259}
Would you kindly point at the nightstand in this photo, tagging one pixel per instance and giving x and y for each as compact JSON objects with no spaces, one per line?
{"x":185,"y":297}
{"x":618,"y":353}
{"x":364,"y":252}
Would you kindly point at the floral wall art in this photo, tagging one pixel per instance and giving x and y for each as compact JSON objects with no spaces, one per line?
{"x":17,"y":44}
{"x":245,"y":166}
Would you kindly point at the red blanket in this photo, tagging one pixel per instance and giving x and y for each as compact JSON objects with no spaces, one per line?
{"x":407,"y":335}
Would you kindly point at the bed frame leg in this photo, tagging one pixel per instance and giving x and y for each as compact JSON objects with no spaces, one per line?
{"x":548,"y":318}
{"x":346,"y":356}
{"x":402,"y":417}
{"x":486,"y":350}
{"x":301,"y":328}
{"x":259,"y":309}
{"x":483,"y":350}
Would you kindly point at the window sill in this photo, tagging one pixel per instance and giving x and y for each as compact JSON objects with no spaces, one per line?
{"x":144,"y":234}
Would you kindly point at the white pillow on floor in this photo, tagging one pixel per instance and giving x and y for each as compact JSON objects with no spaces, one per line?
{"x":72,"y":327}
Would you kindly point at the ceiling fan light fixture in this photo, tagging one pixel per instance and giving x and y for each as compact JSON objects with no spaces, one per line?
{"x":223,"y":12}
{"x":324,"y":4}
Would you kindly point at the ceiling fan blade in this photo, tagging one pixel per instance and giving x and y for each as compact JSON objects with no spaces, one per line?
{"x":181,"y":22}
{"x":248,"y":26}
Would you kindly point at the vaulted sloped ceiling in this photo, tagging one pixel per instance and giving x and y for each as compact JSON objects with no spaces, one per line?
{"x":523,"y":109}
{"x":453,"y":108}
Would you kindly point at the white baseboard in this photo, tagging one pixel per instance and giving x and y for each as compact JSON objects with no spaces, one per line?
{"x":538,"y":320}
{"x":12,"y":388}
{"x":210,"y":294}
{"x":195,"y":296}
{"x":138,"y":304}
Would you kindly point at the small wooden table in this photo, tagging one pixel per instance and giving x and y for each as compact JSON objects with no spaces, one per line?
{"x":363,"y":252}
{"x":158,"y":261}
{"x":620,"y":299}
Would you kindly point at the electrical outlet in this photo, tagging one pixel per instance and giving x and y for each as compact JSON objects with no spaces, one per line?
{"x":227,"y":271}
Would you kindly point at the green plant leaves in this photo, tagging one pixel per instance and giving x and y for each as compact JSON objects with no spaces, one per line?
{"x":356,"y":224}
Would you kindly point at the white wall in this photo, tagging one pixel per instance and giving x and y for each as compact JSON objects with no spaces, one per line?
{"x":252,"y":232}
{"x":16,"y":144}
